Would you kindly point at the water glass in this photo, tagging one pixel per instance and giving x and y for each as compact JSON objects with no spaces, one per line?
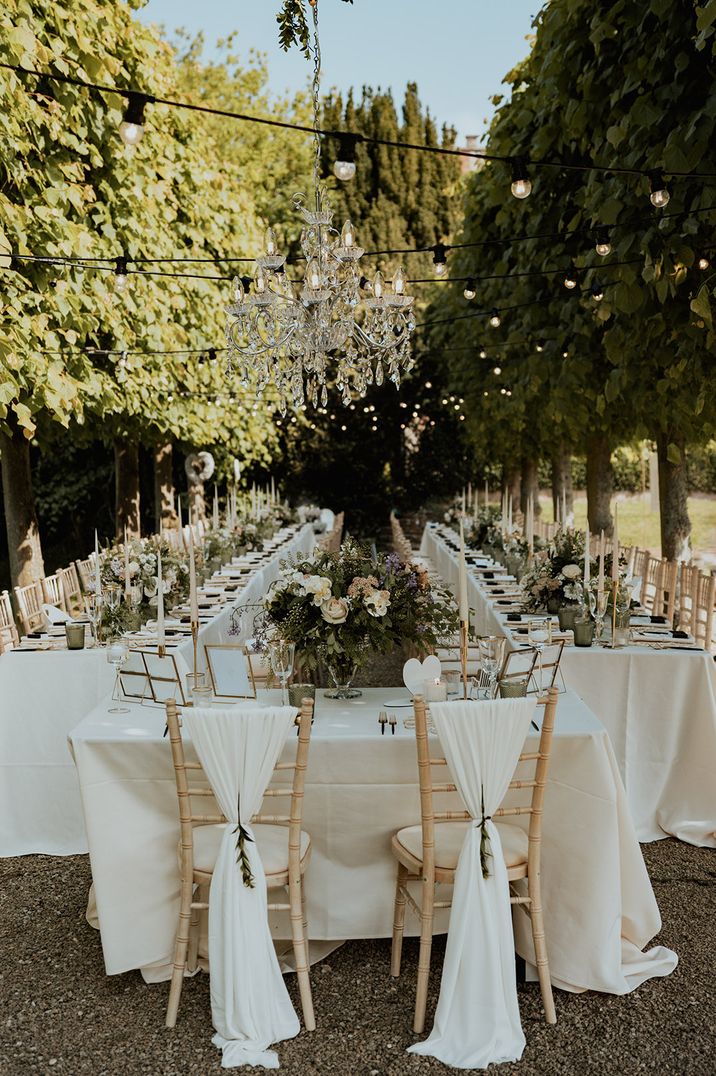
{"x":539,"y":633}
{"x":281,"y":656}
{"x":492,"y":651}
{"x":117,"y":654}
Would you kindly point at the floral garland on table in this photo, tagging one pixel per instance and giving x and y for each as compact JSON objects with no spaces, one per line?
{"x":221,"y":544}
{"x":337,"y":606}
{"x":485,"y":530}
{"x":556,"y":574}
{"x":142,"y":553}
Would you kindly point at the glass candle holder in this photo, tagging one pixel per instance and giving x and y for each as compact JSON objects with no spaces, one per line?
{"x":513,"y":688}
{"x":435,"y":690}
{"x":75,"y":635}
{"x":201,"y":695}
{"x":298,"y":692}
{"x":583,"y":632}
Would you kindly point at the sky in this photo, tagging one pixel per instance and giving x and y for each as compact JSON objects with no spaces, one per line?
{"x":457,"y":51}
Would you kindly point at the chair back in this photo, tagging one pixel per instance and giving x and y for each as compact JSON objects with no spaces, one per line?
{"x":534,"y":786}
{"x":71,"y":590}
{"x":703,"y":625}
{"x":85,"y":570}
{"x":188,"y":793}
{"x":52,"y":591}
{"x":9,"y":636}
{"x":29,"y":607}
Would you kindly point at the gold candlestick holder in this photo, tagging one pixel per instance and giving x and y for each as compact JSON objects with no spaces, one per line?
{"x":464,"y":631}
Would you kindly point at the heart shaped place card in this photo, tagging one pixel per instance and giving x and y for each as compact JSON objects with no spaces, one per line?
{"x":415,"y":673}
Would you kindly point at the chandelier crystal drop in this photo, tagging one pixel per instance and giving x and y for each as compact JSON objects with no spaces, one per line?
{"x":334,"y":325}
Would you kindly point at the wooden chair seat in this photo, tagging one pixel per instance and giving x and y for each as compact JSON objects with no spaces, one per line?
{"x":271,"y":842}
{"x":449,"y":837}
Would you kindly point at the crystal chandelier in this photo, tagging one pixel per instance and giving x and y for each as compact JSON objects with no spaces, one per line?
{"x":334,"y":325}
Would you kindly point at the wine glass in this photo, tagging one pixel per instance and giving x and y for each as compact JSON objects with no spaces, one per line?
{"x":492,"y":649}
{"x":117,"y":654}
{"x":94,"y":603}
{"x":539,"y":633}
{"x":599,"y":612}
{"x":281,"y":655}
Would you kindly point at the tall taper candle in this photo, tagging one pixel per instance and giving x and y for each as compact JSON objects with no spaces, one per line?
{"x":487,"y":493}
{"x":127,"y":584}
{"x":179,"y":521}
{"x":586,"y":561}
{"x":462,"y":581}
{"x":600,"y":578}
{"x":469,"y":495}
{"x":193,"y":599}
{"x":97,"y":573}
{"x":161,"y":633}
{"x":615,"y":547}
{"x":215,"y":519}
{"x":564,"y":509}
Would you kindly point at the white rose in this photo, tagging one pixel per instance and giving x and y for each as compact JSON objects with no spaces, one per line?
{"x":377,"y":602}
{"x":334,"y":610}
{"x":319,"y":587}
{"x":133,"y":567}
{"x":571,"y":571}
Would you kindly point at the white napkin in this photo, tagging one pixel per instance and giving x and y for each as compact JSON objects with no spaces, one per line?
{"x":55,"y":615}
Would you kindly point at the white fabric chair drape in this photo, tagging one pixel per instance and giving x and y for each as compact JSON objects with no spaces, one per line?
{"x":250,"y":1006}
{"x":477,"y":1021}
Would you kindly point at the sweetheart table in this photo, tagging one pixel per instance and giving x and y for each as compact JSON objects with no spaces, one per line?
{"x":361,"y":786}
{"x":44,"y":693}
{"x":658,"y":706}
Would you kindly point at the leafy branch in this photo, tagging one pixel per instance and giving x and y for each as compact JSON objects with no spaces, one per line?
{"x":241,"y":853}
{"x":293,"y":26}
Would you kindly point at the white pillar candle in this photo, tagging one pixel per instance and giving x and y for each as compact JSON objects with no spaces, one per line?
{"x":161,"y":634}
{"x":97,"y":572}
{"x":216,"y":508}
{"x":435,"y":690}
{"x":193,"y":599}
{"x":463,"y":606}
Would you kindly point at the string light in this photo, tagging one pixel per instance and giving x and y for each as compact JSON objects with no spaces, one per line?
{"x":521,"y":186}
{"x":470,"y":290}
{"x":540,"y":345}
{"x":603,"y":246}
{"x":483,"y":353}
{"x":121,"y":279}
{"x":703,"y":262}
{"x":344,"y":167}
{"x":659,"y":195}
{"x":495,"y":319}
{"x":571,"y":278}
{"x":440,"y":259}
{"x":131,"y":128}
{"x":597,"y":293}
{"x":497,"y":371}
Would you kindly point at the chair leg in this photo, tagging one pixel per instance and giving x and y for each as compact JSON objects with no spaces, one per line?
{"x":540,"y":947}
{"x":396,"y":951}
{"x":194,"y":929}
{"x":304,"y":913}
{"x":180,"y":952}
{"x":300,"y":952}
{"x":426,"y":944}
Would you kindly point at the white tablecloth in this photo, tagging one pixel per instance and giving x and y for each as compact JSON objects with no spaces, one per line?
{"x":44,"y":694}
{"x":659,"y":708}
{"x":600,"y":910}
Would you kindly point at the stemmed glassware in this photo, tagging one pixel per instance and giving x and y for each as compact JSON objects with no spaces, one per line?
{"x":598,"y":607}
{"x":492,"y":649}
{"x":94,"y":603}
{"x":539,"y":634}
{"x":281,"y":656}
{"x":117,"y":654}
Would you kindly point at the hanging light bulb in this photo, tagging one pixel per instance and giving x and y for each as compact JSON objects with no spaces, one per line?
{"x":344,"y":167}
{"x":440,"y":259}
{"x":483,"y":353}
{"x":270,"y":242}
{"x":603,"y":246}
{"x":703,"y":262}
{"x":521,"y":185}
{"x":378,"y":285}
{"x":495,"y":319}
{"x":313,"y":274}
{"x":121,"y":277}
{"x":597,"y":293}
{"x":131,"y":128}
{"x":399,"y":281}
{"x":570,"y":278}
{"x":348,"y":235}
{"x":659,"y":195}
{"x":260,"y":280}
{"x":540,"y":345}
{"x":497,"y":371}
{"x":470,"y":291}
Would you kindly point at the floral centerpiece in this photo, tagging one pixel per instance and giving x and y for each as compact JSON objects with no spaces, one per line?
{"x":554,"y":580}
{"x":141,"y":561}
{"x":336,"y":607}
{"x":223,"y":543}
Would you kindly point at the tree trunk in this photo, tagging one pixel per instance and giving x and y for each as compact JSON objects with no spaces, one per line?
{"x":23,"y":535}
{"x":599,"y":484}
{"x":562,"y":481}
{"x":511,"y":483}
{"x":673,"y":499}
{"x":197,"y":501}
{"x":126,"y":487}
{"x":530,"y":484}
{"x":164,"y":512}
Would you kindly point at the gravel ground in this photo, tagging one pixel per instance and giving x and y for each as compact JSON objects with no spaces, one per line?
{"x":61,"y":1014}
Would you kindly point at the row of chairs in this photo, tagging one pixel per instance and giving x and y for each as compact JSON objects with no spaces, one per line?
{"x":426,"y":853}
{"x":671,"y":587}
{"x":401,"y":543}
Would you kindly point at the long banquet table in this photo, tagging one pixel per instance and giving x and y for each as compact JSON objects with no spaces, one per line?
{"x":600,"y":910}
{"x":43,"y":694}
{"x":658,"y":706}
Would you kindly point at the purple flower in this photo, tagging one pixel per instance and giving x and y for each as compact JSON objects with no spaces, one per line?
{"x":393,"y":563}
{"x":412,"y":581}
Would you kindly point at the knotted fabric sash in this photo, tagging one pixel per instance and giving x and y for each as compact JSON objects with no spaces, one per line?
{"x":250,"y":1006}
{"x":477,"y":1021}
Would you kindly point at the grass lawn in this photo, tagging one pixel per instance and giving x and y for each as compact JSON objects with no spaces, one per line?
{"x":639,"y":526}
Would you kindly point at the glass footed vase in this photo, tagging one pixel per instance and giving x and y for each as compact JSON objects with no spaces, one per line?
{"x":342,"y":672}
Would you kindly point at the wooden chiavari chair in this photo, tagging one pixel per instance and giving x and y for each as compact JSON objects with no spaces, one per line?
{"x":29,"y":606}
{"x":687,"y":595}
{"x":52,"y":591}
{"x":9,"y":636}
{"x":429,"y":852}
{"x":85,"y":570}
{"x":703,"y":617}
{"x":331,"y":542}
{"x":71,"y":590}
{"x":284,"y":858}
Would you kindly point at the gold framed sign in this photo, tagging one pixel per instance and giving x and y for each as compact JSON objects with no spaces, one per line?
{"x":163,"y":677}
{"x":231,"y":671}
